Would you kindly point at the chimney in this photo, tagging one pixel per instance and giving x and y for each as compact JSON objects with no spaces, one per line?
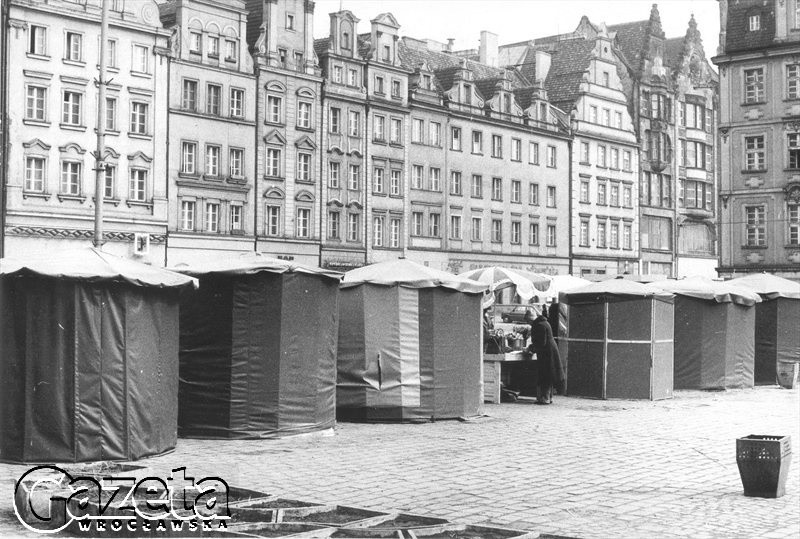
{"x":450,"y":42}
{"x":488,"y":51}
{"x":542,"y":65}
{"x":723,"y":25}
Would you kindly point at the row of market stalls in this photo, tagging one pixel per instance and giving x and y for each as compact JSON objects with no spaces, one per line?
{"x":103,"y":358}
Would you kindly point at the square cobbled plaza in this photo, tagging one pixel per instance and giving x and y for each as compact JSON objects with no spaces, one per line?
{"x":579,"y":468}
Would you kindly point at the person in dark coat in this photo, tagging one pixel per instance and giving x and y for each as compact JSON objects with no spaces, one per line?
{"x":550,"y":372}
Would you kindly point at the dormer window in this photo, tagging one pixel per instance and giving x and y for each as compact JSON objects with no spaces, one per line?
{"x":606,"y":79}
{"x":467,"y":94}
{"x":506,"y":103}
{"x":290,"y":21}
{"x":387,"y":53}
{"x":755,"y":22}
{"x":345,"y":40}
{"x":426,"y":81}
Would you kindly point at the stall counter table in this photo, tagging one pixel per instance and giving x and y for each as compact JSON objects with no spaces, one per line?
{"x":493,"y":375}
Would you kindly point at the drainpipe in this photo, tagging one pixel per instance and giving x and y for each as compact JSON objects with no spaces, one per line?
{"x":4,"y":15}
{"x":166,"y":168}
{"x":322,"y":185}
{"x":256,"y":146}
{"x":569,"y":193}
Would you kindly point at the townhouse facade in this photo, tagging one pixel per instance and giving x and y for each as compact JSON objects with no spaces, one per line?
{"x":212,"y":128}
{"x":759,"y":131}
{"x":53,"y":54}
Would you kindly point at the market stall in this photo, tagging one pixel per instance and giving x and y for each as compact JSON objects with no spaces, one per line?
{"x":88,"y":358}
{"x":620,"y":337}
{"x":777,"y":322}
{"x":258,"y":349}
{"x":409,"y":344}
{"x":714,"y":333}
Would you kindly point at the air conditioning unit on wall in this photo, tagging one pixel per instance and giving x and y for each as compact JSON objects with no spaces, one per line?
{"x":141,"y":244}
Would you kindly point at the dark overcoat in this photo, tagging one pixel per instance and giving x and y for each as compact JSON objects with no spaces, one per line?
{"x":550,"y":371}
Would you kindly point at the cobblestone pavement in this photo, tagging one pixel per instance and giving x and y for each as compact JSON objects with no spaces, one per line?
{"x":580,"y":468}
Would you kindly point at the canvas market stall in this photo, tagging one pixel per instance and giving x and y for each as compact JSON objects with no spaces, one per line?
{"x":409,"y":344}
{"x":714,"y":333}
{"x":258,"y":349}
{"x":777,"y":322}
{"x":620,"y":337}
{"x":88,"y":358}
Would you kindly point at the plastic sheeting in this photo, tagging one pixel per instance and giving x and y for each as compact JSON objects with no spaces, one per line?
{"x":408,"y":354}
{"x":409,"y":274}
{"x":769,"y":286}
{"x":258,"y":352}
{"x":88,"y":369}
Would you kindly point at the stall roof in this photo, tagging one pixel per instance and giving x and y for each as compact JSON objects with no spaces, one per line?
{"x":409,"y":274}
{"x":613,"y":290}
{"x":92,"y":265}
{"x":249,"y":264}
{"x":769,"y":286}
{"x":708,"y":289}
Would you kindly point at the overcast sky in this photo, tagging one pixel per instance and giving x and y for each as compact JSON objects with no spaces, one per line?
{"x":518,"y":20}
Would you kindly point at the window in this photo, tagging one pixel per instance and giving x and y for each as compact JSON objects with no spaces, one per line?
{"x":516,"y":232}
{"x":188,"y":157}
{"x":273,"y":167}
{"x":425,"y":81}
{"x":71,"y":178}
{"x":236,"y":217}
{"x":35,"y":103}
{"x":656,"y":190}
{"x":626,"y":160}
{"x":74,"y":49}
{"x":601,"y":155}
{"x":416,"y":223}
{"x":303,"y":229}
{"x":304,"y":114}
{"x":533,"y":234}
{"x":551,"y":196}
{"x":34,"y":174}
{"x":618,"y":120}
{"x":755,"y":153}
{"x":213,"y":46}
{"x":614,"y":195}
{"x":213,"y":98}
{"x":396,"y":130}
{"x":304,"y":167}
{"x":516,"y":149}
{"x":418,"y":128}
{"x":334,"y":125}
{"x":230,"y":50}
{"x":434,"y":225}
{"x":273,"y":220}
{"x":794,"y":150}
{"x":379,"y":131}
{"x":601,"y":234}
{"x":477,"y":186}
{"x":593,"y":114}
{"x":334,"y":225}
{"x":477,"y":224}
{"x":417,"y":172}
{"x":477,"y":142}
{"x":497,"y":230}
{"x":516,"y":191}
{"x":660,"y":107}
{"x":696,"y":194}
{"x":754,"y":22}
{"x":337,"y":74}
{"x":455,"y":183}
{"x":455,"y":139}
{"x":435,"y":176}
{"x":613,"y":238}
{"x":387,"y":53}
{"x":138,"y":185}
{"x":584,"y":191}
{"x":615,"y":158}
{"x":111,"y":114}
{"x":72,"y":113}
{"x":551,"y":235}
{"x":139,"y":114}
{"x":353,"y":226}
{"x":37,"y":40}
{"x":110,"y":184}
{"x":627,"y":237}
{"x":754,"y":85}
{"x":377,"y":179}
{"x":195,"y":42}
{"x":497,"y":146}
{"x":793,"y":219}
{"x":584,"y":234}
{"x":533,"y":196}
{"x":377,"y":231}
{"x":601,"y":193}
{"x":396,"y":88}
{"x":659,"y":146}
{"x":274,"y":109}
{"x":212,"y":160}
{"x":627,"y":196}
{"x":694,"y":115}
{"x":334,"y":169}
{"x":606,"y":79}
{"x":187,"y":214}
{"x":395,"y":230}
{"x":353,"y":178}
{"x":379,"y":84}
{"x":656,"y":233}
{"x":607,"y":117}
{"x":354,"y":118}
{"x":395,"y":182}
{"x":533,"y":150}
{"x":585,"y":152}
{"x":497,"y":189}
{"x":189,"y":100}
{"x":237,"y":103}
{"x":141,"y":57}
{"x":352,"y":77}
{"x":455,"y":227}
{"x":290,"y":21}
{"x":236,"y":162}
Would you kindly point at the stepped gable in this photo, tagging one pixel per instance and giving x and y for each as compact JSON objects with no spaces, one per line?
{"x":738,"y":36}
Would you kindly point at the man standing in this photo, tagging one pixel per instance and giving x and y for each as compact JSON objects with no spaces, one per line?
{"x":550,"y":371}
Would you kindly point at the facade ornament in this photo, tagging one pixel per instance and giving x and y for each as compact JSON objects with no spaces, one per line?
{"x":792,"y":192}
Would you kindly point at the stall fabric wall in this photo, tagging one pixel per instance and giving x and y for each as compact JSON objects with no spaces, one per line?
{"x":766,"y":335}
{"x":628,"y":355}
{"x":788,"y":335}
{"x":739,"y":346}
{"x":585,"y":359}
{"x":95,"y":368}
{"x":696,"y":338}
{"x":206,"y":333}
{"x":663,"y":349}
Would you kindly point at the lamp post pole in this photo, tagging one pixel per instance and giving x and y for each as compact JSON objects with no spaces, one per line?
{"x":99,"y":184}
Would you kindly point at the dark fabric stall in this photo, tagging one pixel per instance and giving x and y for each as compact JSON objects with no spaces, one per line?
{"x":714,"y":333}
{"x":258,"y":349}
{"x":409,"y":344}
{"x":620,"y":336}
{"x":777,"y":321}
{"x":88,"y":358}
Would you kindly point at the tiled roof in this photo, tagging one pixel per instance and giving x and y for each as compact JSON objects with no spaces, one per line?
{"x":673,"y":48}
{"x":738,"y":36}
{"x":167,"y":10}
{"x":570,"y":60}
{"x":631,"y":38}
{"x":364,"y":45}
{"x":321,"y":45}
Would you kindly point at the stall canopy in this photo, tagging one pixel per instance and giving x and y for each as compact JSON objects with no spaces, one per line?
{"x":258,"y":349}
{"x":88,"y":358}
{"x":777,"y":322}
{"x":409,"y":344}
{"x":620,"y":337}
{"x":714,"y":333}
{"x":499,"y":278}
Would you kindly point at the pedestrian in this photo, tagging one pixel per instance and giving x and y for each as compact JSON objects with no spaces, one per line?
{"x":549,"y":369}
